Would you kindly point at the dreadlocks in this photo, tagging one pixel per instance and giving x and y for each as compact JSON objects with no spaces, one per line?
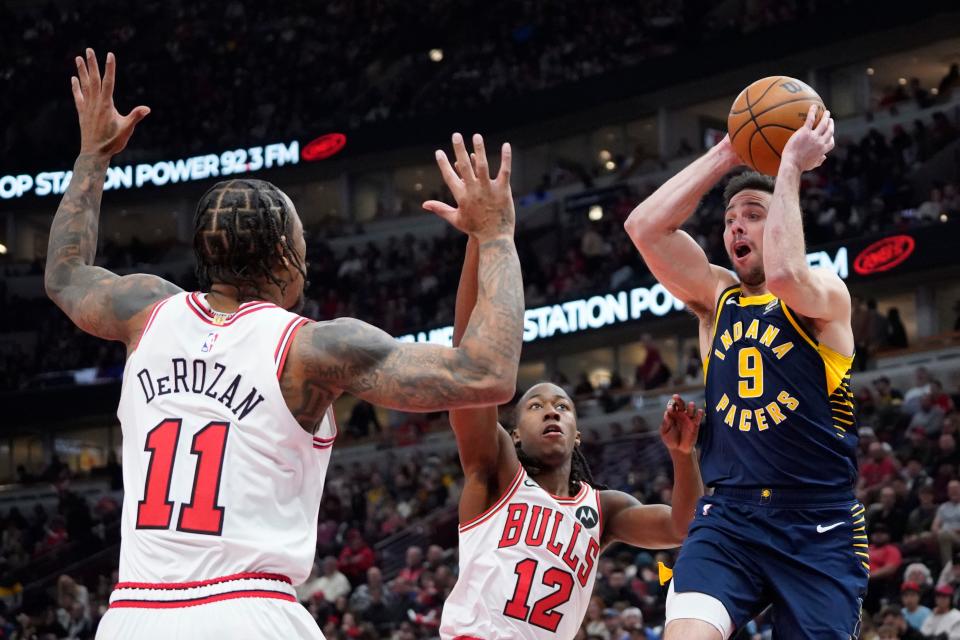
{"x":237,"y":228}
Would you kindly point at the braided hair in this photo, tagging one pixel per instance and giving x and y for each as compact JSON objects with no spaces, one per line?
{"x":237,"y":227}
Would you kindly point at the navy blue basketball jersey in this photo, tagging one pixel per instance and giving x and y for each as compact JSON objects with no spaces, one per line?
{"x":779,"y":405}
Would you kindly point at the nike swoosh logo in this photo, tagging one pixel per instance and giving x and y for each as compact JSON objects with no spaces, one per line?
{"x":731,"y":301}
{"x":527,"y":483}
{"x":823,"y":529}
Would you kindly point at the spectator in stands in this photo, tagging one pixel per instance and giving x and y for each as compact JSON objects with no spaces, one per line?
{"x":653,"y":371}
{"x":584,"y":387}
{"x":895,"y":626}
{"x":949,"y":82}
{"x":913,"y":612}
{"x":885,"y":560}
{"x":363,"y":595}
{"x":940,"y":398}
{"x":328,"y":586}
{"x":921,"y":387}
{"x":896,"y":332}
{"x":615,"y":589}
{"x":928,"y":417}
{"x":918,"y":535}
{"x":918,"y":449}
{"x":356,"y":557}
{"x":944,"y":619}
{"x":947,"y":523}
{"x":362,"y":416}
{"x":888,"y":513}
{"x":879,"y":470}
{"x":413,"y":566}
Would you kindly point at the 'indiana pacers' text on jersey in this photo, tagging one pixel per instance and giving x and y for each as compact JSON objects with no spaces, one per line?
{"x":779,"y":405}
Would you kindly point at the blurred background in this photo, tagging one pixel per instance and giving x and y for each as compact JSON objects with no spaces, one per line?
{"x":341,"y":104}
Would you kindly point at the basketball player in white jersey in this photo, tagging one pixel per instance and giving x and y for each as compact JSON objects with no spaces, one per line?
{"x":225,"y":405}
{"x":532,"y":526}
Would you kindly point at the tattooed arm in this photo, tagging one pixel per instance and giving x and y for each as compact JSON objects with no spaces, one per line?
{"x":329,"y":358}
{"x":96,"y":300}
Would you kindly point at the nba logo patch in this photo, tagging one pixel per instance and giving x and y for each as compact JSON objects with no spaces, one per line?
{"x":208,"y":343}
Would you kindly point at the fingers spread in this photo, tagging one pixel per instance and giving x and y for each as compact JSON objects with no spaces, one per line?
{"x":93,"y":68}
{"x":109,"y":75}
{"x":443,"y":210}
{"x":450,"y":177}
{"x":463,"y":159}
{"x":480,"y":156}
{"x":83,"y":76}
{"x":506,"y":163}
{"x":77,"y":92}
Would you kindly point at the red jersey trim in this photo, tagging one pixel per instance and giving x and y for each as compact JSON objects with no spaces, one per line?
{"x":483,"y":517}
{"x":599,"y":514}
{"x":201,"y":311}
{"x":204,"y":583}
{"x":573,"y":499}
{"x":153,"y":315}
{"x":194,"y":602}
{"x":286,"y":342}
{"x":326,"y":443}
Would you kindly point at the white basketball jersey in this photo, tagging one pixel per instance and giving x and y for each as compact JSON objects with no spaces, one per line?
{"x":527,"y":566}
{"x":219,"y":478}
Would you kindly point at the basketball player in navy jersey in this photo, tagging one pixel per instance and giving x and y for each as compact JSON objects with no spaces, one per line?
{"x":532,"y":520}
{"x":782,"y":527}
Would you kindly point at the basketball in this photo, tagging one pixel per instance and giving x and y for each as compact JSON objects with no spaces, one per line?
{"x":765,"y":115}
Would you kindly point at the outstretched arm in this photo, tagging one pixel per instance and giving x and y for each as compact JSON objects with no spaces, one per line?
{"x":96,"y":300}
{"x":660,"y":526}
{"x":480,"y":438}
{"x":672,"y":255}
{"x":818,"y":294}
{"x":352,"y":356}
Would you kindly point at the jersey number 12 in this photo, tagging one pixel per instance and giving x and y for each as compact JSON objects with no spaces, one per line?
{"x":201,"y":514}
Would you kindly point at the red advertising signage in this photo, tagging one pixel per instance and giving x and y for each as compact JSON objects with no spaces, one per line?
{"x":884,"y":255}
{"x":323,"y":147}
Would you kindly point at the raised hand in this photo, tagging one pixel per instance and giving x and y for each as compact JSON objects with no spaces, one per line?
{"x":681,"y":425}
{"x":809,"y":145}
{"x":484,"y":205}
{"x":102,"y":129}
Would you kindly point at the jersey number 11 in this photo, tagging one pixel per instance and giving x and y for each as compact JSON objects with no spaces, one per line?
{"x":201,"y":514}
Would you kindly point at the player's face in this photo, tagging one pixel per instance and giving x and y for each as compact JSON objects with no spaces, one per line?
{"x":547,"y":424}
{"x":293,"y":294}
{"x":743,"y":234}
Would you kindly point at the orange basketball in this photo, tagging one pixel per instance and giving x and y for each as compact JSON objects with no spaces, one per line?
{"x":765,"y":115}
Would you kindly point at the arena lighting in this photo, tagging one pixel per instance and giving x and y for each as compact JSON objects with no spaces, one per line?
{"x":596,"y":312}
{"x":158,"y":174}
{"x":870,"y":71}
{"x":436,"y":55}
{"x":323,"y":147}
{"x":605,"y":155}
{"x":3,"y":249}
{"x":901,"y":81}
{"x":610,"y":165}
{"x":595,"y":213}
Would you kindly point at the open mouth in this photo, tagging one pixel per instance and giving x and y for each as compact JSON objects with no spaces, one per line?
{"x":552,"y":429}
{"x":741,"y":249}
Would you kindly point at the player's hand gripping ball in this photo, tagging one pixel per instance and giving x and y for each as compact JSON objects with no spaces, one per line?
{"x":765,"y":115}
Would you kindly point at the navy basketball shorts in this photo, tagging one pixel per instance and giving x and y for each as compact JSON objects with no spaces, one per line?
{"x":803,"y":552}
